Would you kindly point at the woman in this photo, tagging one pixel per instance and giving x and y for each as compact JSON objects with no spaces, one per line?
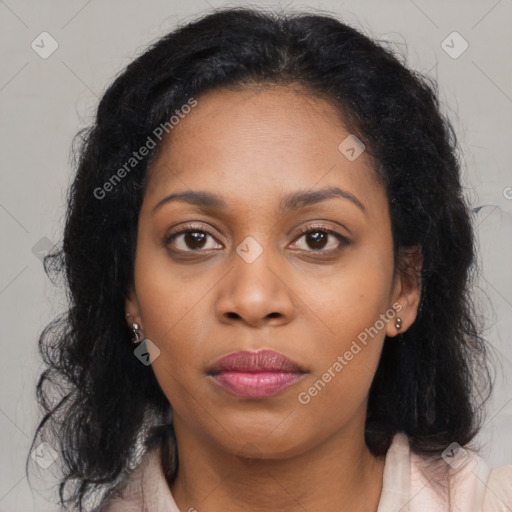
{"x":270,"y":207}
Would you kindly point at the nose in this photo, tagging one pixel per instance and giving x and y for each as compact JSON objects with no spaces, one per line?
{"x":255,"y":293}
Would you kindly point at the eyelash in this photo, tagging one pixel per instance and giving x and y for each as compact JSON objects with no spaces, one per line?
{"x":191,"y":228}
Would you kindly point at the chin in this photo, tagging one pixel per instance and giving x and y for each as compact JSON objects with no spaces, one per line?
{"x":266,"y":446}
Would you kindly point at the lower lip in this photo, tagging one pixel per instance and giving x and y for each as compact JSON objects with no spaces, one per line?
{"x":255,"y":384}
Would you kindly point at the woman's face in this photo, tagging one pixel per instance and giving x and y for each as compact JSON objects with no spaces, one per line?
{"x":246,"y":278}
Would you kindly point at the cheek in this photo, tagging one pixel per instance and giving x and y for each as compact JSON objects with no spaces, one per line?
{"x":170,"y":320}
{"x":165,"y":308}
{"x":165,"y":294}
{"x":345,"y":364}
{"x":351,"y":299}
{"x":354,"y":313}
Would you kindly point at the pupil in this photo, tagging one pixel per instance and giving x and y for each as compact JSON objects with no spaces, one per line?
{"x":192,"y":238}
{"x":318,"y":237}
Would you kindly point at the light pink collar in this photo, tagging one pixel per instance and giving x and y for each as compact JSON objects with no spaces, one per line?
{"x":409,"y":485}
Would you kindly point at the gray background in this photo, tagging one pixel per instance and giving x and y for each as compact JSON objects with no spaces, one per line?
{"x":45,"y":101}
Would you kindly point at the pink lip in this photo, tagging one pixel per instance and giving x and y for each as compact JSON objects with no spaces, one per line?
{"x":255,"y":374}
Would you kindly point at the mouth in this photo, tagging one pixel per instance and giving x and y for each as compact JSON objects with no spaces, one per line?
{"x":259,"y":374}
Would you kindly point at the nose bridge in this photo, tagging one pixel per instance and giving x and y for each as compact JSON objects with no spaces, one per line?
{"x":253,"y":263}
{"x":253,"y":289}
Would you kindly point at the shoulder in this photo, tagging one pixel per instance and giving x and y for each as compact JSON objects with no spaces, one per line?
{"x":145,"y":488}
{"x":477,"y":486}
{"x":462,"y":478}
{"x":459,"y":479}
{"x":498,"y":495}
{"x":126,"y":496}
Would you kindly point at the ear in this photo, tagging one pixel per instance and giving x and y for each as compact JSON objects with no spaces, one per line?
{"x":131,"y":307}
{"x":407,"y":288}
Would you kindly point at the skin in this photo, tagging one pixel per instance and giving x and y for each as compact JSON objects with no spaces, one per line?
{"x":253,"y":146}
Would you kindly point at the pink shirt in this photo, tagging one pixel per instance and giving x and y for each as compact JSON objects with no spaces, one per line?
{"x":465,"y":484}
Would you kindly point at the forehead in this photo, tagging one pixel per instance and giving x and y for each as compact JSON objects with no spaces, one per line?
{"x":258,"y":142}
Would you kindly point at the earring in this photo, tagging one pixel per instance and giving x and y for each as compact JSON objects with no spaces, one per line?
{"x":138,"y":336}
{"x":398,"y":323}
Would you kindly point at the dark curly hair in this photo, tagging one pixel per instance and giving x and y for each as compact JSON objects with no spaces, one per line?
{"x":432,"y":385}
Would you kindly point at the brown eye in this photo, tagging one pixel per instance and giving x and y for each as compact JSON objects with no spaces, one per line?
{"x":194,"y":239}
{"x":190,"y":240}
{"x":321,"y":240}
{"x":317,"y":239}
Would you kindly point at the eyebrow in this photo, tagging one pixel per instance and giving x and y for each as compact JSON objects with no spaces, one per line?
{"x":292,"y":201}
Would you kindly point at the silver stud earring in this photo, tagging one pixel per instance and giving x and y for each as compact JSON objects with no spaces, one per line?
{"x":398,"y":323}
{"x":138,"y":336}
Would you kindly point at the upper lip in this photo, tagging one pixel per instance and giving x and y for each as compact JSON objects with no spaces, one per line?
{"x":251,"y":361}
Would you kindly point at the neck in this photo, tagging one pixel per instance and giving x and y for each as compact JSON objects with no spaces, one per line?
{"x":338,"y":474}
